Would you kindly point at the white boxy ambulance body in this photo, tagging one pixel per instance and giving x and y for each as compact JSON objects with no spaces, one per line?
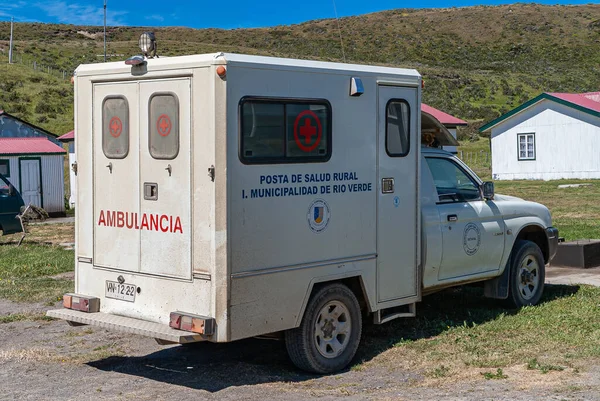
{"x":224,"y":196}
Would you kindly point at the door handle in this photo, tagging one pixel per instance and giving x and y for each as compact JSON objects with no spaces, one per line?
{"x":452,"y":217}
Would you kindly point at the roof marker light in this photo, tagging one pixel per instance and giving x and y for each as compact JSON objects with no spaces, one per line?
{"x":135,"y":60}
{"x":356,"y":87}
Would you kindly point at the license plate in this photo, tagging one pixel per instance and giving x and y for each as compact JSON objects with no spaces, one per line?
{"x":124,"y":292}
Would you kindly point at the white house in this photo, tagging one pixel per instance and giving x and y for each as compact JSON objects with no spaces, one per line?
{"x":69,"y":138}
{"x":35,"y":166}
{"x":449,"y":121}
{"x":553,"y":136}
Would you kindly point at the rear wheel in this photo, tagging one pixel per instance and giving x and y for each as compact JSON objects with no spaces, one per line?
{"x":329,"y":334}
{"x":528,"y":273}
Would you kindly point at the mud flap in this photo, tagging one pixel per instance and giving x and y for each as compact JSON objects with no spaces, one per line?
{"x":497,"y":288}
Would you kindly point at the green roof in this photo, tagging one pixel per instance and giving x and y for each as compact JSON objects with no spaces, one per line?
{"x":529,"y":103}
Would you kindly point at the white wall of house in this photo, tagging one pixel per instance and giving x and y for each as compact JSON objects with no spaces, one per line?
{"x":567,"y":144}
{"x":451,"y":149}
{"x":52,"y":180}
{"x":72,"y":177}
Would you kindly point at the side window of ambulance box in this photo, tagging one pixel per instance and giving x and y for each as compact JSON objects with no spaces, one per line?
{"x":284,"y":131}
{"x":263,"y":125}
{"x":397,"y":132}
{"x":115,"y":127}
{"x":164,"y":126}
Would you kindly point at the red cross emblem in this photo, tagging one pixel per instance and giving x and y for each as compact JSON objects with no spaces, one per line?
{"x":115,"y":127}
{"x":308,"y":126}
{"x":163,"y":125}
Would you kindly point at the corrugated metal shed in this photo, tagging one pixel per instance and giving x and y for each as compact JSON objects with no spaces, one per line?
{"x":35,"y":166}
{"x":20,"y":146}
{"x":14,"y":127}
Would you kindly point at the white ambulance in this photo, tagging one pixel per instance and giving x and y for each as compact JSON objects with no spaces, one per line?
{"x":225,"y":196}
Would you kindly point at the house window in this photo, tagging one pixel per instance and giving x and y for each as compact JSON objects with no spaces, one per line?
{"x":5,"y":168}
{"x":526,"y":143}
{"x":284,"y":130}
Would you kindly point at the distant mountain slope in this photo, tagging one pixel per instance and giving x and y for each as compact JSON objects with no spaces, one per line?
{"x":477,"y":61}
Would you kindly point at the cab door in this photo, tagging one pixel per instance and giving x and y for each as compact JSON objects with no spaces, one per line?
{"x":165,"y":177}
{"x":398,"y":235}
{"x":472,"y":228}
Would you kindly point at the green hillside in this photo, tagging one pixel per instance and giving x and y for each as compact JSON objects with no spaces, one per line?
{"x":36,"y":97}
{"x":477,"y":61}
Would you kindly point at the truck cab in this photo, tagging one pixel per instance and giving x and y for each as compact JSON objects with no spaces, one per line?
{"x":478,"y":229}
{"x":10,"y":206}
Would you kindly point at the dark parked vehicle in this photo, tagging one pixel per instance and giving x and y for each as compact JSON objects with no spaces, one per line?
{"x":10,"y":206}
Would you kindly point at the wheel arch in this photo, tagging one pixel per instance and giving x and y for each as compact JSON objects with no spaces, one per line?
{"x":355,"y":282}
{"x":536,"y":234}
{"x":498,"y":287}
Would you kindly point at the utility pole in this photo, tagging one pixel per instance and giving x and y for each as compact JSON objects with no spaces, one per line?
{"x":105,"y":31}
{"x":12,"y":20}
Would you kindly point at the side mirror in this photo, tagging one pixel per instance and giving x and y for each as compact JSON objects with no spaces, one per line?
{"x":488,"y":190}
{"x":11,"y":190}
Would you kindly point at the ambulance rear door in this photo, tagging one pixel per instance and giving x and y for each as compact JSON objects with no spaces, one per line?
{"x":165,"y":177}
{"x":116,"y":176}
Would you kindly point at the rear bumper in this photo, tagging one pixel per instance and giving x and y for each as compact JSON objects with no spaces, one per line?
{"x":127,"y":325}
{"x":552,"y":236}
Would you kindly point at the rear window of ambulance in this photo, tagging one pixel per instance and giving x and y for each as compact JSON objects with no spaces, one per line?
{"x":164,"y":126}
{"x":115,"y":127}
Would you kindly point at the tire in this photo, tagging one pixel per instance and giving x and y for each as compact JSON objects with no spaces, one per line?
{"x":527,"y":274}
{"x":329,"y":334}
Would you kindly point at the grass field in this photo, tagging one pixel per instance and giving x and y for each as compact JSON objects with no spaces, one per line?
{"x":459,"y":329}
{"x":33,"y":271}
{"x":575,"y":211}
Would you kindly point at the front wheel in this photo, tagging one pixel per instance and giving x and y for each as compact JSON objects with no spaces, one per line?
{"x":329,"y":334}
{"x":527,"y":274}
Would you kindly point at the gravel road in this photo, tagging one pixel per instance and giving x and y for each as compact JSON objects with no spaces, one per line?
{"x":49,"y":360}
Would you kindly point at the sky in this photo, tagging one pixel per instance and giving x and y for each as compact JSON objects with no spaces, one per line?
{"x":212,"y":14}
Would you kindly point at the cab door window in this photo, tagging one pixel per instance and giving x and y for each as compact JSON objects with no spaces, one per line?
{"x":452,"y":183}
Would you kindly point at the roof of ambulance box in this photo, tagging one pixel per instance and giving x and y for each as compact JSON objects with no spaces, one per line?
{"x":182,"y":62}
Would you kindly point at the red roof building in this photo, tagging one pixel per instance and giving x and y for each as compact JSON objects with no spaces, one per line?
{"x":28,"y":146}
{"x":444,"y":118}
{"x":35,"y":166}
{"x":68,"y":137}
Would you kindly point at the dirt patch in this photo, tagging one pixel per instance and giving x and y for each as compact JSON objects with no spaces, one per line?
{"x":46,"y":234}
{"x":90,"y":35}
{"x":90,"y":363}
